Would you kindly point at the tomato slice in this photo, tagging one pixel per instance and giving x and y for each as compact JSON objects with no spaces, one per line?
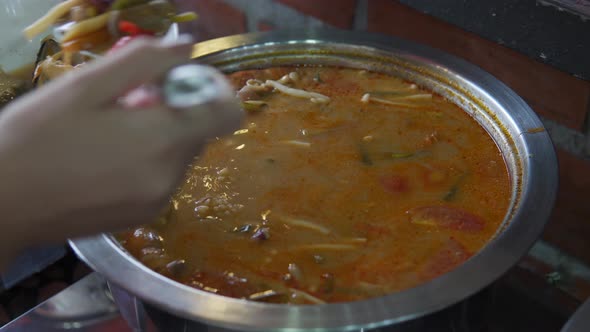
{"x":395,"y":184}
{"x":451,"y":255}
{"x":446,"y":217}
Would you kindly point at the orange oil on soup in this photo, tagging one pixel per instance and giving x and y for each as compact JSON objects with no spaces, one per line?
{"x":379,"y":188}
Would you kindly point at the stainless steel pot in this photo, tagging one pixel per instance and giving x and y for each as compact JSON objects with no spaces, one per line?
{"x":516,"y":129}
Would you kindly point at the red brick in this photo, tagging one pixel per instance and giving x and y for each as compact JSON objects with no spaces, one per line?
{"x":264,"y":26}
{"x":339,"y":13}
{"x":216,"y":19}
{"x":552,"y":93}
{"x":569,"y":227}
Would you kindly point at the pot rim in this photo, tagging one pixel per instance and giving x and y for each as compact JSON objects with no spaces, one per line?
{"x":530,"y":155}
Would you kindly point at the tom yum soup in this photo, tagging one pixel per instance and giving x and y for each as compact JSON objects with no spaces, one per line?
{"x":342,"y":185}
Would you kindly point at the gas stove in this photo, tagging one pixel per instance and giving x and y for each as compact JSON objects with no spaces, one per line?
{"x":84,"y":306}
{"x":87,"y":306}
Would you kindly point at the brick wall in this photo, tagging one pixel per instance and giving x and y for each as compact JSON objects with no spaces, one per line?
{"x":562,"y":101}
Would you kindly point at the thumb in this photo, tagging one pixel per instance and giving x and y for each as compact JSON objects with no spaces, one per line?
{"x":204,"y":99}
{"x":196,"y":103}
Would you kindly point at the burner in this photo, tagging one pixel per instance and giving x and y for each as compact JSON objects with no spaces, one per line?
{"x":89,"y":306}
{"x":471,"y":315}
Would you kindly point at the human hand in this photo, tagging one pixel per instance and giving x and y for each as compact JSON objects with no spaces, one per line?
{"x":74,"y":162}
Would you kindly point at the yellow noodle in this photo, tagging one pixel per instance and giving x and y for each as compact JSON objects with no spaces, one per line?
{"x":304,"y":223}
{"x":307,"y":296}
{"x":48,"y":19}
{"x":367,"y":98}
{"x":320,"y":98}
{"x":328,"y":246}
{"x":87,"y":26}
{"x":297,"y":143}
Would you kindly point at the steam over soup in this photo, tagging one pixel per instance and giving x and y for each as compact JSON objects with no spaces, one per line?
{"x":342,"y":185}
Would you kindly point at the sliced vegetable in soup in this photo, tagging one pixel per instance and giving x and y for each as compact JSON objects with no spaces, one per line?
{"x":342,"y":185}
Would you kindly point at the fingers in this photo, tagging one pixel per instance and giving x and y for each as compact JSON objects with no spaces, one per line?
{"x":180,"y":129}
{"x":143,"y":60}
{"x":221,"y":117}
{"x":145,"y":96}
{"x":211,"y":105}
{"x":210,"y":109}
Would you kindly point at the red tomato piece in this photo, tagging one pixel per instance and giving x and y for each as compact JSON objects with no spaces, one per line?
{"x":451,"y":255}
{"x":395,"y":184}
{"x":133,"y":29}
{"x":446,"y":217}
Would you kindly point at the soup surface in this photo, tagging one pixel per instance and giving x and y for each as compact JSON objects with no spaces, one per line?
{"x":342,"y":185}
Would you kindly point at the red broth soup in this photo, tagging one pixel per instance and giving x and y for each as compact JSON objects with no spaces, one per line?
{"x":342,"y":185}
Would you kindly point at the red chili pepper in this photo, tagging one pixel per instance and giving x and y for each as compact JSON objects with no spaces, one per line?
{"x":133,"y":29}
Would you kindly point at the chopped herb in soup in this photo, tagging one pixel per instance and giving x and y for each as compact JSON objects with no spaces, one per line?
{"x":342,"y":185}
